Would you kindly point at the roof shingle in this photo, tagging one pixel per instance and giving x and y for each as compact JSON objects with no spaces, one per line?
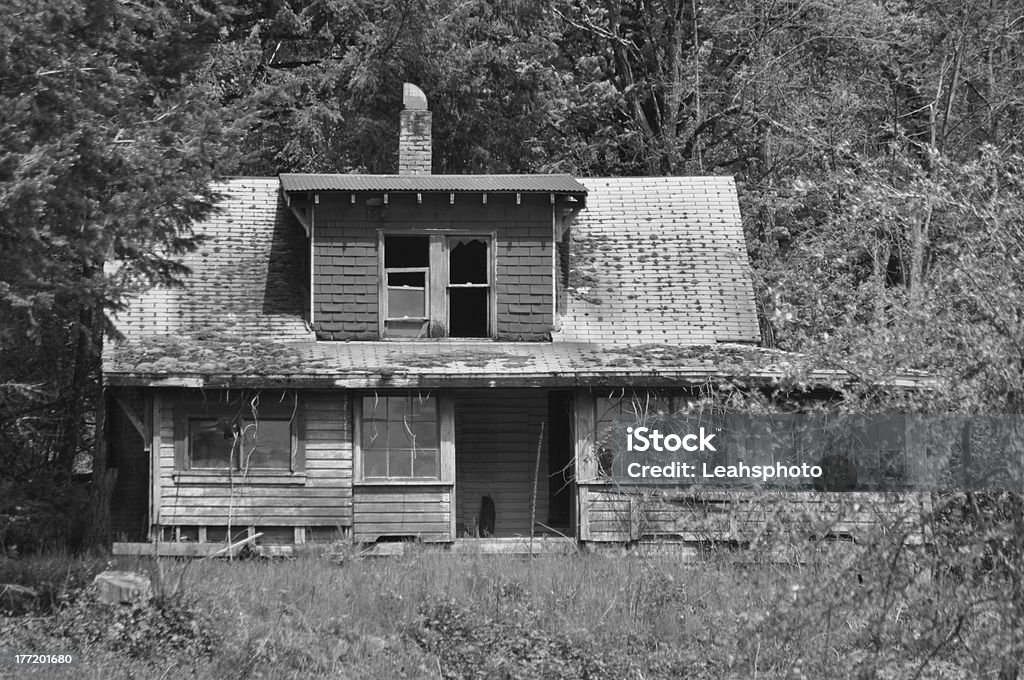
{"x":657,"y":261}
{"x":660,"y":260}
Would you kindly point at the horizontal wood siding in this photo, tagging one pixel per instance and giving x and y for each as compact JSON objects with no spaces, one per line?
{"x":323,"y":499}
{"x":415,"y":511}
{"x":496,"y":433}
{"x":617,"y":514}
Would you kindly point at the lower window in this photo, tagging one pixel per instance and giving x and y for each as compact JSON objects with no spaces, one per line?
{"x":399,"y":437}
{"x":239,"y":444}
{"x":239,"y":436}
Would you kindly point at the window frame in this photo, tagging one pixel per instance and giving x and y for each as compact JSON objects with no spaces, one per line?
{"x":602,"y":406}
{"x":437,"y":282}
{"x":488,"y":286}
{"x":293,"y":412}
{"x":445,"y":443}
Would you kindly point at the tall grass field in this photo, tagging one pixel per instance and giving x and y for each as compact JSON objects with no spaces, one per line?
{"x":881,"y":609}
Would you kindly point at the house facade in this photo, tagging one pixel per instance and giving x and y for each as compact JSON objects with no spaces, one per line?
{"x":425,"y":357}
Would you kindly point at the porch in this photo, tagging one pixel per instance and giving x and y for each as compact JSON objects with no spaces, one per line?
{"x":507,"y":474}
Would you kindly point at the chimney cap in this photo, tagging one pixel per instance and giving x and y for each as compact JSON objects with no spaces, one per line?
{"x":413,"y":97}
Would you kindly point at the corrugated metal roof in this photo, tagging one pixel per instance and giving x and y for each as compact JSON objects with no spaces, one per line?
{"x":559,"y":184}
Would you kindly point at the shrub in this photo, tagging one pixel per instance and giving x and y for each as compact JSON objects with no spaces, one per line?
{"x":57,"y":578}
{"x":155,"y":629}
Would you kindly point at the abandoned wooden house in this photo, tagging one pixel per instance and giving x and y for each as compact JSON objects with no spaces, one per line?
{"x":367,"y":358}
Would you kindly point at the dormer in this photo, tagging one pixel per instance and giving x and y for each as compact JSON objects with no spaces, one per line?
{"x":418,"y":256}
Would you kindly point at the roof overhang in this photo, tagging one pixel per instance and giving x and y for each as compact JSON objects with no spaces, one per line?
{"x":430,"y":365}
{"x":518,"y":184}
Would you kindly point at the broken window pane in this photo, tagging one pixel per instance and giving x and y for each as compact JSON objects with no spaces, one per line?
{"x":407,"y":279}
{"x":406,"y":252}
{"x":467,"y":261}
{"x":468,"y":312}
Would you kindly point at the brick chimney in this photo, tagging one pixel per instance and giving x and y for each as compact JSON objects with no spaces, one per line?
{"x":414,"y":137}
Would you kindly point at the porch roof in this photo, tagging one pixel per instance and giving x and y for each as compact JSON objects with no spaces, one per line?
{"x":226,"y":360}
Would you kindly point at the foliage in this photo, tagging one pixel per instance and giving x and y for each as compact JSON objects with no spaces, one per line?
{"x":41,"y":516}
{"x":876,"y":146}
{"x":884,"y":608}
{"x":156,"y":629}
{"x":108,"y":146}
{"x":56,"y":577}
{"x":509,"y":644}
{"x":899,"y":608}
{"x":873,"y":142}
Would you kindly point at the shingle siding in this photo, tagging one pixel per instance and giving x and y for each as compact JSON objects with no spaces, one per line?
{"x":347,"y":262}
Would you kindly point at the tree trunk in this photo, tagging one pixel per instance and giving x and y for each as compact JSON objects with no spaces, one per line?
{"x":673,"y":91}
{"x":919,"y":229}
{"x":98,"y":528}
{"x":80,"y":358}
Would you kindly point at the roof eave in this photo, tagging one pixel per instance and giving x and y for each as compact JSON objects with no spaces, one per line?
{"x":407,"y":379}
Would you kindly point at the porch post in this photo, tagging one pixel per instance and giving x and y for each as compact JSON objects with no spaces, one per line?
{"x":446,"y":406}
{"x":586,"y":462}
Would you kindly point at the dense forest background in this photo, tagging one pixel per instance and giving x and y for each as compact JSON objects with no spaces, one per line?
{"x":876,"y":145}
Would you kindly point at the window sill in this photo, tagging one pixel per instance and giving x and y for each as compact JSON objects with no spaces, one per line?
{"x":446,"y":340}
{"x":257,"y":478}
{"x":401,"y":482}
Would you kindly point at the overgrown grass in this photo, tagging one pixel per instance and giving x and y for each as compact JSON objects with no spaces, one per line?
{"x":430,"y":614}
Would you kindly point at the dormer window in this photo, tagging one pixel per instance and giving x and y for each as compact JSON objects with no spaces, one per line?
{"x":437,"y":286}
{"x":469,"y":286}
{"x":406,"y":309}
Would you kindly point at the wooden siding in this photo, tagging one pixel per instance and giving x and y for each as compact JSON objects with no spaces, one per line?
{"x":345,"y":265}
{"x":620,"y":514}
{"x":322,"y":496}
{"x":496,"y":433}
{"x":610,"y":512}
{"x":414,"y":511}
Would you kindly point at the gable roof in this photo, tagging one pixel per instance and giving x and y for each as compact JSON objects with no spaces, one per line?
{"x":656,"y":261}
{"x":659,"y":260}
{"x":246,"y":276}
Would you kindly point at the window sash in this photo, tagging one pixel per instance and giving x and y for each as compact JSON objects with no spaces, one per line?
{"x":388,"y":433}
{"x":437,"y":289}
{"x":232,"y":439}
{"x":219,"y":444}
{"x":388,"y":287}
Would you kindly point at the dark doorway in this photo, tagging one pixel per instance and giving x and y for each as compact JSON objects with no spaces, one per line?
{"x":561,"y":466}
